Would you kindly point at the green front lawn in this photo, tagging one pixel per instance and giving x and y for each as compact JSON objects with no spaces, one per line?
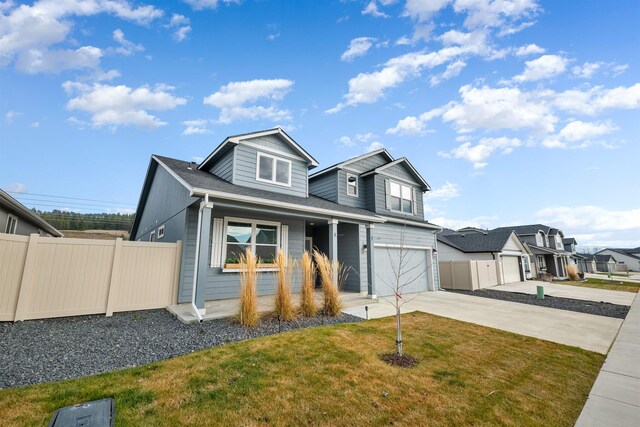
{"x":611,"y":285}
{"x":467,"y":375}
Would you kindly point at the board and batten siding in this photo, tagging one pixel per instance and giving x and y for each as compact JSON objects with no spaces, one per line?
{"x":166,"y":203}
{"x":223,"y":168}
{"x":381,"y":199}
{"x":364,"y":270}
{"x":217,"y":284}
{"x":245,"y":167}
{"x":349,"y":254}
{"x":325,"y":186}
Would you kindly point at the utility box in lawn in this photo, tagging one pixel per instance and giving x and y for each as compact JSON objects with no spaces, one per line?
{"x":98,"y":413}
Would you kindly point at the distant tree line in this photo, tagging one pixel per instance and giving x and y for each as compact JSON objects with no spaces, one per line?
{"x":90,"y":221}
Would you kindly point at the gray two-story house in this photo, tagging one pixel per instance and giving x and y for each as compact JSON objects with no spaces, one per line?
{"x":254,"y":191}
{"x":546,"y":244}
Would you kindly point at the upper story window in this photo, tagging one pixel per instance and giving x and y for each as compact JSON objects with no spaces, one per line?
{"x":539,"y":239}
{"x":401,"y":197}
{"x":352,"y":185}
{"x":273,"y":170}
{"x":559,"y":244}
{"x":12,"y":224}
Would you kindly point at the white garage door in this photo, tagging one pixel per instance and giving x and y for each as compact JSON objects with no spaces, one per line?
{"x":511,"y":269}
{"x":414,"y":275}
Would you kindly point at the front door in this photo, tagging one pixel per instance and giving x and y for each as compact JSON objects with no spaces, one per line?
{"x":308,"y":244}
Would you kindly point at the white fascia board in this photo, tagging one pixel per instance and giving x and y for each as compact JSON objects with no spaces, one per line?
{"x":397,"y":162}
{"x":313,"y":162}
{"x":412,"y":223}
{"x":285,"y":205}
{"x":216,"y":151}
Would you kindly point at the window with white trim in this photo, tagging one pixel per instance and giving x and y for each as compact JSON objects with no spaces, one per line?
{"x":541,"y":265}
{"x":152,"y":236}
{"x":161,"y":231}
{"x":261,"y":237}
{"x":401,"y":197}
{"x":352,"y":185}
{"x":273,"y":170}
{"x":539,"y":239}
{"x":12,"y":224}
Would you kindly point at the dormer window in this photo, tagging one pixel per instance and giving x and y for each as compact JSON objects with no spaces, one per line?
{"x":401,"y":198}
{"x":539,"y":239}
{"x":352,"y":185}
{"x":273,"y":170}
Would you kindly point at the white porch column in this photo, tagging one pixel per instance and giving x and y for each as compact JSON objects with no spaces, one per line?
{"x":203,"y":253}
{"x":333,"y":246}
{"x":371,"y":267}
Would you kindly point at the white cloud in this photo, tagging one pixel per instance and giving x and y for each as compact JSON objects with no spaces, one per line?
{"x":114,"y":106}
{"x":35,"y":125}
{"x":180,"y":24}
{"x":372,"y":9}
{"x":232,"y":100}
{"x":16,"y":187}
{"x":347,"y":142}
{"x":424,"y":10}
{"x":28,"y":32}
{"x":361,"y":137}
{"x":376,"y":145}
{"x":586,"y":70}
{"x":10,"y":116}
{"x":543,"y":67}
{"x":496,"y":13}
{"x":484,"y":222}
{"x":127,"y":47}
{"x":598,"y":99}
{"x":196,"y":127}
{"x":409,"y":126}
{"x":357,"y":47}
{"x":447,"y":192}
{"x":53,"y":61}
{"x":578,"y":130}
{"x":480,"y":152}
{"x":208,"y":4}
{"x":530,"y":49}
{"x":590,"y":218}
{"x":453,"y":70}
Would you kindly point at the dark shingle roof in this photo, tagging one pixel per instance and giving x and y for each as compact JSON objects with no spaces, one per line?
{"x":569,"y":240}
{"x":524,"y":230}
{"x":493,"y":241}
{"x":625,"y":251}
{"x":538,"y":250}
{"x":207,"y":181}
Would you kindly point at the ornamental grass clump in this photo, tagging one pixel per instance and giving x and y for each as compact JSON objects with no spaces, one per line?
{"x":329,"y":273}
{"x":283,"y":306}
{"x":572,"y":272}
{"x":248,"y":313}
{"x":308,"y":305}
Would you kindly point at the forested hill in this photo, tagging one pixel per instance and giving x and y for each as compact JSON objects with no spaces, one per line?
{"x":94,"y":221}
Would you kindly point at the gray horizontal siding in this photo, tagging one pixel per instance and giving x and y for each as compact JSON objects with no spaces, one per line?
{"x":167,"y":198}
{"x":381,"y":200}
{"x":245,"y":173}
{"x":224,"y":167}
{"x":400,"y":171}
{"x":325,"y":186}
{"x":218,"y":285}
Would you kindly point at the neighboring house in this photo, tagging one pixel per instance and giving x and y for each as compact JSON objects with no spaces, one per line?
{"x":253,"y":191}
{"x":600,"y":262}
{"x":15,"y":218}
{"x":549,"y":254}
{"x":475,"y":244}
{"x":629,"y":257}
{"x":570,"y":245}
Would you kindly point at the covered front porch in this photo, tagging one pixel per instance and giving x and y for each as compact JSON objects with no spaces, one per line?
{"x":228,"y":308}
{"x":551,"y":261}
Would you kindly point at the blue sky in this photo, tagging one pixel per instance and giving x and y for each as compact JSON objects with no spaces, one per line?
{"x":514,"y":111}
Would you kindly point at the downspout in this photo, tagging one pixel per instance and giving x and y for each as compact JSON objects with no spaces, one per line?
{"x":196,"y":312}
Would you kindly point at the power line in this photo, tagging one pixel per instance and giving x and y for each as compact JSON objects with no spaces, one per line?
{"x":73,"y":198}
{"x":28,"y":200}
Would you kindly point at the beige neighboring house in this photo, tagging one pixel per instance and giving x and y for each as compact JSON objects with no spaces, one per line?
{"x":474,"y":244}
{"x":16,"y":218}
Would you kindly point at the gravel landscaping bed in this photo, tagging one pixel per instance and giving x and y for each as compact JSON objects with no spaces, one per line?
{"x":37,"y":351}
{"x":570,"y":304}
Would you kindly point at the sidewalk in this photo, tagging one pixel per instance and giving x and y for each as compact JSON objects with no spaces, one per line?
{"x":615,"y":397}
{"x":566,"y":291}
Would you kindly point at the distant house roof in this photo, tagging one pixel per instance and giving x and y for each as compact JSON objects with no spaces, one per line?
{"x":234,"y":140}
{"x":569,"y":240}
{"x":539,"y":250}
{"x":21,"y":210}
{"x":598,"y":257}
{"x":342,"y":164}
{"x":491,"y":241}
{"x":526,"y":230}
{"x":625,"y":251}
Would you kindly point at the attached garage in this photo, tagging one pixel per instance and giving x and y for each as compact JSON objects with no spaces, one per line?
{"x":511,"y":269}
{"x":414,"y":275}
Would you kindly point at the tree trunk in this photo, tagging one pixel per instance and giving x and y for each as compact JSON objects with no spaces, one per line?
{"x":399,"y":337}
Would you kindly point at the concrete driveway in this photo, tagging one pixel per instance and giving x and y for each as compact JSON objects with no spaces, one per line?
{"x":568,"y":291}
{"x":594,"y":333}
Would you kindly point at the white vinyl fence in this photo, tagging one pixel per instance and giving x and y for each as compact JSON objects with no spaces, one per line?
{"x":468,"y":275}
{"x":42,"y":277}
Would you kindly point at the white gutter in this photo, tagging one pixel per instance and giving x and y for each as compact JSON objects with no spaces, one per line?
{"x":196,"y":312}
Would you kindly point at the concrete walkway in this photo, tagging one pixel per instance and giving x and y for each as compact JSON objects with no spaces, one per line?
{"x":594,"y":333}
{"x":615,"y":397}
{"x":568,"y":291}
